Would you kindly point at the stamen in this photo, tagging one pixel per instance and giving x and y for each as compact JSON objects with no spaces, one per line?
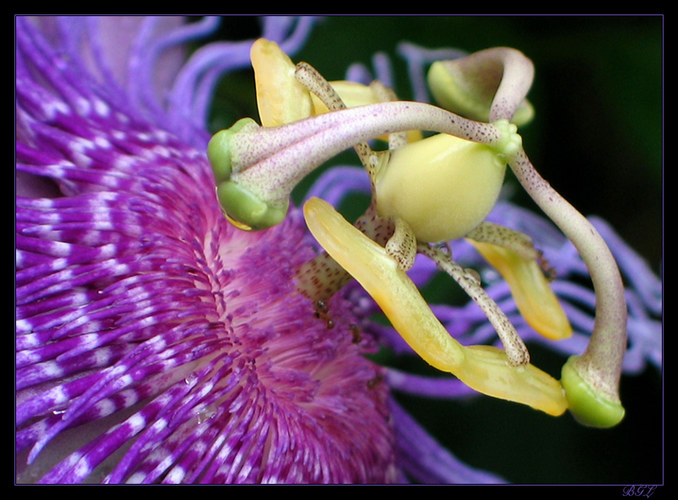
{"x":280,"y":98}
{"x":322,"y":277}
{"x":483,"y":368}
{"x":402,"y":244}
{"x":495,"y":234}
{"x":310,"y":78}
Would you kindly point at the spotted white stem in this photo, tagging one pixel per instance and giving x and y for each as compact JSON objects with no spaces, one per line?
{"x":600,"y":365}
{"x":283,"y":156}
{"x":516,"y":352}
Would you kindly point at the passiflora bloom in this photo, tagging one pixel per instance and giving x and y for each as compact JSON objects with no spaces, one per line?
{"x":157,"y":341}
{"x":457,"y":179}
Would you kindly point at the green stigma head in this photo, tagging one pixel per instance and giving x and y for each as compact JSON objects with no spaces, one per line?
{"x":220,"y":151}
{"x":469,"y":90}
{"x":243,"y":207}
{"x":246,"y":210}
{"x":587,"y":405}
{"x":219,"y":155}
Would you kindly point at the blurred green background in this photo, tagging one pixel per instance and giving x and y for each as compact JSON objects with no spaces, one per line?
{"x":597,"y":138}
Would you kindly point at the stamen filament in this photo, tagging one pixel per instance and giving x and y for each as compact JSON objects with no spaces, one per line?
{"x":495,"y":234}
{"x":321,"y":88}
{"x":516,"y":351}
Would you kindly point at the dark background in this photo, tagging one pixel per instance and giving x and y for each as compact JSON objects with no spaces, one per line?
{"x":597,"y":138}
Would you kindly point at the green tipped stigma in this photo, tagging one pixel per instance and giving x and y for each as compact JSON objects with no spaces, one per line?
{"x":220,"y":151}
{"x":588,"y":406}
{"x":246,"y":210}
{"x":468,"y":94}
{"x":219,"y":155}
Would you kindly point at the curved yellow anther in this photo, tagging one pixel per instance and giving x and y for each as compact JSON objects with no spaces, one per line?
{"x":530,"y":289}
{"x":483,"y":368}
{"x":281,"y":98}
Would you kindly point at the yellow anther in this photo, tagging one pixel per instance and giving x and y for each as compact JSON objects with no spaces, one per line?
{"x":442,"y":186}
{"x":483,"y":368}
{"x":281,"y":98}
{"x":530,"y":289}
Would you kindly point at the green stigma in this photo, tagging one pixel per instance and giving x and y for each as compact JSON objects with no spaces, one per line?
{"x":245,"y":210}
{"x":468,"y":89}
{"x":243,"y":207}
{"x":587,"y":405}
{"x":220,"y":150}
